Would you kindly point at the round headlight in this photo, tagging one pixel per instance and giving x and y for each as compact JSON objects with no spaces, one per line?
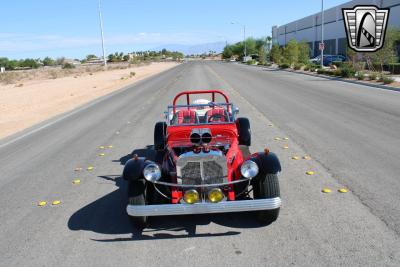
{"x":152,"y":172}
{"x":249,"y":169}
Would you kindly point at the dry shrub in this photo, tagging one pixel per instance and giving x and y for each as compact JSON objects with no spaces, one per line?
{"x":8,"y":77}
{"x":53,"y":74}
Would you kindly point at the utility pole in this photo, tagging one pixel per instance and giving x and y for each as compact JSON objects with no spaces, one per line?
{"x":102,"y":37}
{"x":322,"y":33}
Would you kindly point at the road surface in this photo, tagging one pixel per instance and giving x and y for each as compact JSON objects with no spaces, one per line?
{"x":351,"y":132}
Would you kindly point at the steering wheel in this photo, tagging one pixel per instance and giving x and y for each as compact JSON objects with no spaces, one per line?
{"x":217,"y":117}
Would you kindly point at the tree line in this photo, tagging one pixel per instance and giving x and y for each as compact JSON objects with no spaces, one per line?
{"x":296,"y":53}
{"x":144,"y":55}
{"x":254,"y":47}
{"x":31,"y":63}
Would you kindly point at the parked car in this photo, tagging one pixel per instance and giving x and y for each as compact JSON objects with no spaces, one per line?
{"x":328,"y":59}
{"x":201,"y":163}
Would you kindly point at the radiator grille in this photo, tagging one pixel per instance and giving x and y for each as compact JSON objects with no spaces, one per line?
{"x":191,"y":173}
{"x":202,"y":168}
{"x":212,"y":172}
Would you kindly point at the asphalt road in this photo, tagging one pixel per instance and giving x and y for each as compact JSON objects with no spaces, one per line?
{"x":351,"y":132}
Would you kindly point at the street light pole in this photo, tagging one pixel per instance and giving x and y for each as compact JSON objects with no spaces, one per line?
{"x":244,"y":40}
{"x":102,"y":37}
{"x":322,"y":33}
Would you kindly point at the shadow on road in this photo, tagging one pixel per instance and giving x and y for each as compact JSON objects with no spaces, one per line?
{"x":107,"y":215}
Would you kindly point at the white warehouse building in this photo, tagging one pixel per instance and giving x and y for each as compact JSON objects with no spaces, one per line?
{"x":308,"y":29}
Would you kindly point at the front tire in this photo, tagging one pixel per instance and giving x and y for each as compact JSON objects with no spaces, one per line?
{"x":160,"y":132}
{"x":137,"y":196}
{"x":267,"y":187}
{"x":243,"y":126}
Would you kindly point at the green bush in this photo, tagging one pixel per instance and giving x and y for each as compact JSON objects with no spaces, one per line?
{"x":372,"y":76}
{"x":360,"y":75}
{"x":306,"y":68}
{"x":251,"y":62}
{"x":321,"y":71}
{"x":387,"y":80}
{"x":337,"y":72}
{"x":315,"y":67}
{"x":68,"y":66}
{"x":347,"y":72}
{"x":298,"y":66}
{"x":338,"y":64}
{"x":284,"y":66}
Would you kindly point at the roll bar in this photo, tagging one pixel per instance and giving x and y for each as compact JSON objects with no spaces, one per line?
{"x":188,"y":93}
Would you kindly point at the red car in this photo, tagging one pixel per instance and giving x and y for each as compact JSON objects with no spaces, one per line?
{"x":201,"y":164}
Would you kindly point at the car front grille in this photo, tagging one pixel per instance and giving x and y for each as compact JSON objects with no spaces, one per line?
{"x":202,"y":168}
{"x":191,"y":173}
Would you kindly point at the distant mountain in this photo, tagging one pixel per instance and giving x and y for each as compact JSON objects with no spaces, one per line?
{"x":194,"y":49}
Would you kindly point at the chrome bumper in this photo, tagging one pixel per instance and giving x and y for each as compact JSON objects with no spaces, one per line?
{"x":199,"y":208}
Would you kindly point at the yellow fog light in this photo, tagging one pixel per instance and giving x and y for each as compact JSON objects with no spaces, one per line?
{"x":215,"y":195}
{"x":191,"y":196}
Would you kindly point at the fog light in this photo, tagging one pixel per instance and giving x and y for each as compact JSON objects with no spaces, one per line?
{"x":215,"y":195}
{"x":191,"y":196}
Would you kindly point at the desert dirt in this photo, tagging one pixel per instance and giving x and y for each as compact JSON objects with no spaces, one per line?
{"x":25,"y":104}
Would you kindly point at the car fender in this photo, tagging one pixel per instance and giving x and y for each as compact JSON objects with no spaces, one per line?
{"x":268,"y":163}
{"x":133,"y":169}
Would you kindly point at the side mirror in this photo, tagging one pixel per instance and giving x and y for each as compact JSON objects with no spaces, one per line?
{"x":236,"y":110}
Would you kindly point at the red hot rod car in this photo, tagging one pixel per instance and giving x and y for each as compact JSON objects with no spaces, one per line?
{"x":201,"y":164}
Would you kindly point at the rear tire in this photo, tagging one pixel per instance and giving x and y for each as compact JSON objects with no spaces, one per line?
{"x":137,"y":196}
{"x":243,"y":126}
{"x":267,"y":187}
{"x":160,"y":131}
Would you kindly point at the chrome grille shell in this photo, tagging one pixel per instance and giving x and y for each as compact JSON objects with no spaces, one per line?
{"x":201,"y":168}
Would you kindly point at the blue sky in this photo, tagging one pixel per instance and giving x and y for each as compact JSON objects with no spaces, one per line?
{"x":71,"y":27}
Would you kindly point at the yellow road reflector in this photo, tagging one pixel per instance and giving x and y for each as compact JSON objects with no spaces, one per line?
{"x":101,"y":154}
{"x":295,"y":157}
{"x":310,"y":172}
{"x":285,"y":138}
{"x":285,"y":147}
{"x":101,"y":147}
{"x":77,"y":169}
{"x":343,"y":190}
{"x":277,"y":138}
{"x":326,"y":190}
{"x":76,"y":181}
{"x":110,"y":146}
{"x":306,"y":157}
{"x":42,"y":203}
{"x":56,"y":202}
{"x":90,"y":168}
